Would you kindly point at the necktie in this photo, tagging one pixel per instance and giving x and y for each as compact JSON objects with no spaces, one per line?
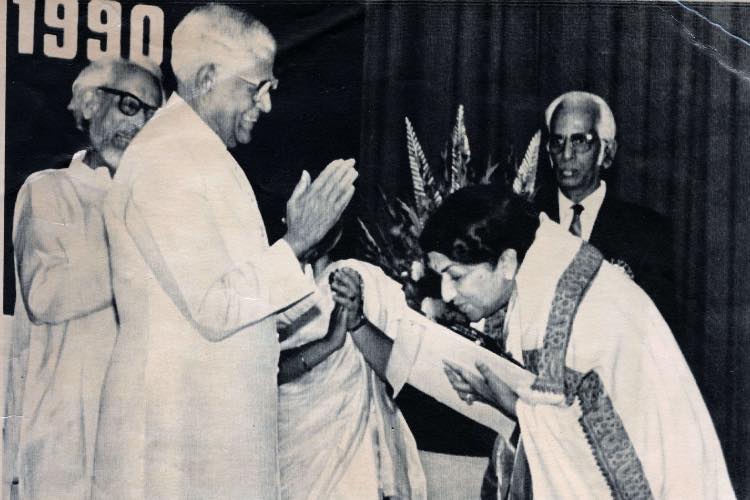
{"x":575,"y":224}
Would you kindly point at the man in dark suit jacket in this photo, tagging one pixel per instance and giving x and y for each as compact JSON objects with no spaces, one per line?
{"x":581,"y":146}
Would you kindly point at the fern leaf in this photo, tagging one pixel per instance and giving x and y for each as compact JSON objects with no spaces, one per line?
{"x":526,"y":174}
{"x":390,"y":208}
{"x":417,"y":165}
{"x":488,"y":171}
{"x":369,"y":238}
{"x":412,"y":215}
{"x":460,"y":152}
{"x":432,"y":189}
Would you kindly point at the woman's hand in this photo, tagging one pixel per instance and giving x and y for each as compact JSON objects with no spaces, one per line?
{"x":346,"y":284}
{"x":337,"y":327}
{"x":484,"y":388}
{"x":294,"y":363}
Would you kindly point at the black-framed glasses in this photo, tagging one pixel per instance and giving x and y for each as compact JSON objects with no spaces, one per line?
{"x":130,"y":105}
{"x":261,"y":88}
{"x":580,"y":142}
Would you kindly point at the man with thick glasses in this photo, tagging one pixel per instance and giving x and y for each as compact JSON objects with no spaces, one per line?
{"x":189,"y":406}
{"x":130,"y":105}
{"x":65,"y":320}
{"x":582,"y":146}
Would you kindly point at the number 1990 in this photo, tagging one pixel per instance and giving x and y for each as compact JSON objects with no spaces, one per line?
{"x":104,"y":17}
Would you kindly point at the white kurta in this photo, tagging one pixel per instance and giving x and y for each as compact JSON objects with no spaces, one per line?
{"x":189,"y":404}
{"x":341,"y":436}
{"x":64,"y":330}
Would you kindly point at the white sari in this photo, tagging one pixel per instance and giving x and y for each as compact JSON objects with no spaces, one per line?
{"x":340,"y":434}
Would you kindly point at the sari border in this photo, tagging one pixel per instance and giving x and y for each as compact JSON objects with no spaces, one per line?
{"x":609,"y":441}
{"x":570,"y":290}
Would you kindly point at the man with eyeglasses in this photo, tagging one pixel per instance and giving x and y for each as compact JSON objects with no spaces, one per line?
{"x":189,"y":407}
{"x":65,"y":321}
{"x":581,"y":148}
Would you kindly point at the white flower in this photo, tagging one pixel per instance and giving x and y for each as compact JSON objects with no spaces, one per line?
{"x":417,"y":270}
{"x":432,"y":308}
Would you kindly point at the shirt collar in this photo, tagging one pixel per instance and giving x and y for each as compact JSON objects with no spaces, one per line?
{"x":98,"y":177}
{"x":591,"y":203}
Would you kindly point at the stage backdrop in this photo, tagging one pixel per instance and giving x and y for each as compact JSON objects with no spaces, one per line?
{"x":679,"y":87}
{"x":677,"y":83}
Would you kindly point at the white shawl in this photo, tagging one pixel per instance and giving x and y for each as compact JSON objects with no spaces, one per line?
{"x":631,"y":422}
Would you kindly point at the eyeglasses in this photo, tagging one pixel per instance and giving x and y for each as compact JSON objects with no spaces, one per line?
{"x":581,"y":143}
{"x":261,"y":88}
{"x":130,"y":105}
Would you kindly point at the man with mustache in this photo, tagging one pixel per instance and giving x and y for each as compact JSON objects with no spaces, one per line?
{"x":189,"y":406}
{"x":65,"y":320}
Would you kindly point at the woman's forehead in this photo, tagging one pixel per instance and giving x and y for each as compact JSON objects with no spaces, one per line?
{"x":437,"y":261}
{"x":441,"y":263}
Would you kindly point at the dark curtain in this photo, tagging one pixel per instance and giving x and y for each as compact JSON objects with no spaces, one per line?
{"x":677,"y":79}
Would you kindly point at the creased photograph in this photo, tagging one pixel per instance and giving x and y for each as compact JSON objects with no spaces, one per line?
{"x":375,"y":250}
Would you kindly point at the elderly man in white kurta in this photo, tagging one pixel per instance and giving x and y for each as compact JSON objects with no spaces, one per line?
{"x":189,"y":406}
{"x":64,"y":323}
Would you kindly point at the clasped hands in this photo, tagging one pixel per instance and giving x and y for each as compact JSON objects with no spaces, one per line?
{"x":347,"y":315}
{"x":346,"y":285}
{"x":315,"y":207}
{"x":484,"y":387}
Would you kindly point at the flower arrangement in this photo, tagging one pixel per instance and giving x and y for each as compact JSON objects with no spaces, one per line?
{"x":390,"y":238}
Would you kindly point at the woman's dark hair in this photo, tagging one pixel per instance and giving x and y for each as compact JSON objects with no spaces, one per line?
{"x":477,"y":224}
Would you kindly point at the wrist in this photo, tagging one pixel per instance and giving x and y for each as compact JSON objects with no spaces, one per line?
{"x":362,"y":321}
{"x":339,"y":343}
{"x":295,"y":244}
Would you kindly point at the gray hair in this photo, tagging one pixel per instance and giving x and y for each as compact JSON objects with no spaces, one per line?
{"x":221,"y":35}
{"x":605,"y":121}
{"x":105,"y":72}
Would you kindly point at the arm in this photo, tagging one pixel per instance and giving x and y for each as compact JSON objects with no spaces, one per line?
{"x":61,"y":252}
{"x":296,"y":362}
{"x":374,"y":345}
{"x":170,"y":219}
